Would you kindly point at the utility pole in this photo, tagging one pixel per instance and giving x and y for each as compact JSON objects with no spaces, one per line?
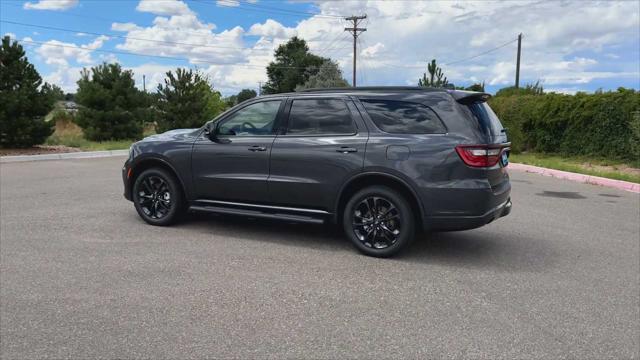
{"x":259,"y":88}
{"x":144,"y":83}
{"x":355,"y":31}
{"x":518,"y":61}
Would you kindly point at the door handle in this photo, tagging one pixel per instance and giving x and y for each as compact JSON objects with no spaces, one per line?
{"x":346,"y":149}
{"x":257,"y":148}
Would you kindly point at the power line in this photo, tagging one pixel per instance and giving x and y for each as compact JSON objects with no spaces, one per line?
{"x":482,"y":53}
{"x":122,"y":36}
{"x":339,"y":37}
{"x":130,"y":37}
{"x":305,"y":13}
{"x":268,"y":9}
{"x":154,"y":56}
{"x":84,"y":16}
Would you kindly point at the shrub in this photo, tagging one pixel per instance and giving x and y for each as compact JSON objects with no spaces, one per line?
{"x":23,"y":101}
{"x":603,"y":124}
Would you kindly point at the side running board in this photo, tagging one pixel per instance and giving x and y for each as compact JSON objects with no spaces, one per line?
{"x":261,"y":211}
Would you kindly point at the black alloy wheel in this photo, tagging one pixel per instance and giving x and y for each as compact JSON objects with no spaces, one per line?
{"x":376,"y":222}
{"x":154,"y":197}
{"x":379,"y":221}
{"x":157,"y":197}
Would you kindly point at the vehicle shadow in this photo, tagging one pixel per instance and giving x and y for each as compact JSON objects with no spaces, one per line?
{"x":482,"y":248}
{"x":324,"y":237}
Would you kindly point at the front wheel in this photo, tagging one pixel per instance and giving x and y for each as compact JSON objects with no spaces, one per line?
{"x":379,"y":221}
{"x":157,"y":197}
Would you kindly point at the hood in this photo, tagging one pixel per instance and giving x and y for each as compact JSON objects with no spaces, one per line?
{"x":172,"y":135}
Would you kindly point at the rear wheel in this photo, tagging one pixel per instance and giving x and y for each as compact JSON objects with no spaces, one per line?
{"x":158,"y":197}
{"x":379,"y":221}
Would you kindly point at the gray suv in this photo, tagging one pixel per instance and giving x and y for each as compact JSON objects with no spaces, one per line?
{"x":384,"y":162}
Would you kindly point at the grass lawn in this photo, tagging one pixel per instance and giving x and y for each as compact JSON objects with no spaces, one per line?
{"x":582,"y":165}
{"x":69,"y":134}
{"x":77,"y":141}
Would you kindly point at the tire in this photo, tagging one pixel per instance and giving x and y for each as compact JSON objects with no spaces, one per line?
{"x":382,"y":236}
{"x":158,"y":197}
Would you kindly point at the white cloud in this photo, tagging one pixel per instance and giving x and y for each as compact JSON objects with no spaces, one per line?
{"x":58,"y":53}
{"x":58,"y":5}
{"x":164,"y":7}
{"x":372,"y":51}
{"x":271,"y":28}
{"x":228,"y":3}
{"x":64,"y":76}
{"x":125,"y":26}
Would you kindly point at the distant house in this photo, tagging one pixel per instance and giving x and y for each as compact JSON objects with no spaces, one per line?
{"x":70,"y":106}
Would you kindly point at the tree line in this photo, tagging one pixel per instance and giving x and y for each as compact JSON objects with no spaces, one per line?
{"x":111,"y":107}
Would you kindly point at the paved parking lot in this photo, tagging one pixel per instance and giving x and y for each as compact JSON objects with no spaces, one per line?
{"x":82,"y":276}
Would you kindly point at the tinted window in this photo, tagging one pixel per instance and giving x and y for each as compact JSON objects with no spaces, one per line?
{"x":487,"y":119}
{"x":402,"y":117}
{"x":255,"y":119}
{"x":320,"y":116}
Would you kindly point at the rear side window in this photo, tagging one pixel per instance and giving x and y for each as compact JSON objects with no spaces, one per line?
{"x":320,"y":117}
{"x":487,"y":119}
{"x":401,"y":117}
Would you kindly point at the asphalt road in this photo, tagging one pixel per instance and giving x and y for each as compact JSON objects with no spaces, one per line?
{"x":81,"y":276}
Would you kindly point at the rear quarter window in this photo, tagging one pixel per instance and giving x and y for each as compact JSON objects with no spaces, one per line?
{"x":402,"y":117}
{"x":487,"y":119}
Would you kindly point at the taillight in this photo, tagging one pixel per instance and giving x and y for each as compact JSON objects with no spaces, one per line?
{"x":480,"y":155}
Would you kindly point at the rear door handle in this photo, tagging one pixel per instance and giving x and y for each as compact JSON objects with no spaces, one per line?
{"x":345,"y":149}
{"x":257,"y":148}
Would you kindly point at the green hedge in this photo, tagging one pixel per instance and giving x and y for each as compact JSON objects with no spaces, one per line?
{"x":603,"y":125}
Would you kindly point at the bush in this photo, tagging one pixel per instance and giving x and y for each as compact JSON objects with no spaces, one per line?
{"x":603,"y":125}
{"x":112,"y":107}
{"x":23,"y":101}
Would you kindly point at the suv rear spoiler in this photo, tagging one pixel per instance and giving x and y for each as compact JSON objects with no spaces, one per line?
{"x":469,"y":97}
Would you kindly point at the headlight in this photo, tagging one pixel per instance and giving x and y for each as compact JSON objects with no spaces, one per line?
{"x":131,"y":152}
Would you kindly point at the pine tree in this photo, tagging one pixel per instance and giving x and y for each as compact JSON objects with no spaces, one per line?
{"x":186,"y":100}
{"x":23,"y":101}
{"x":436,"y":77}
{"x":112,"y":107}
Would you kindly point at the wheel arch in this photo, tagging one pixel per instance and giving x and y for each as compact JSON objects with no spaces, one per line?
{"x":151,"y":162}
{"x":378,"y":178}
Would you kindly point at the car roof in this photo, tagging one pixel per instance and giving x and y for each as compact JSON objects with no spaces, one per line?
{"x":381,"y":90}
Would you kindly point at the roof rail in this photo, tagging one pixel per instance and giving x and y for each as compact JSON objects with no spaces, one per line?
{"x":373,"y":88}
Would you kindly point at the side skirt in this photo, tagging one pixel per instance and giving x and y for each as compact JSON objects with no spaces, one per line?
{"x":261,"y":211}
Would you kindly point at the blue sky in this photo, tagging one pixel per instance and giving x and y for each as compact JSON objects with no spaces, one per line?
{"x":568,"y":46}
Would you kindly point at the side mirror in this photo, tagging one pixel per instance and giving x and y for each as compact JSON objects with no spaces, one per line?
{"x":211,"y":131}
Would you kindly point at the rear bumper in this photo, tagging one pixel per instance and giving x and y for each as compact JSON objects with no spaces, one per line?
{"x":453,"y":223}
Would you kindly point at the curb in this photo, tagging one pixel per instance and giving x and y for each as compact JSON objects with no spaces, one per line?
{"x":586,"y":179}
{"x":62,"y":156}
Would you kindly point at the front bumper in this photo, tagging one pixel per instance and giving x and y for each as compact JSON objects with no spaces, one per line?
{"x":127,"y":170}
{"x":453,"y":223}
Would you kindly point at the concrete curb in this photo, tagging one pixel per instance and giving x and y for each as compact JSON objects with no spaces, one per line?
{"x":586,"y":179}
{"x":62,"y":156}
